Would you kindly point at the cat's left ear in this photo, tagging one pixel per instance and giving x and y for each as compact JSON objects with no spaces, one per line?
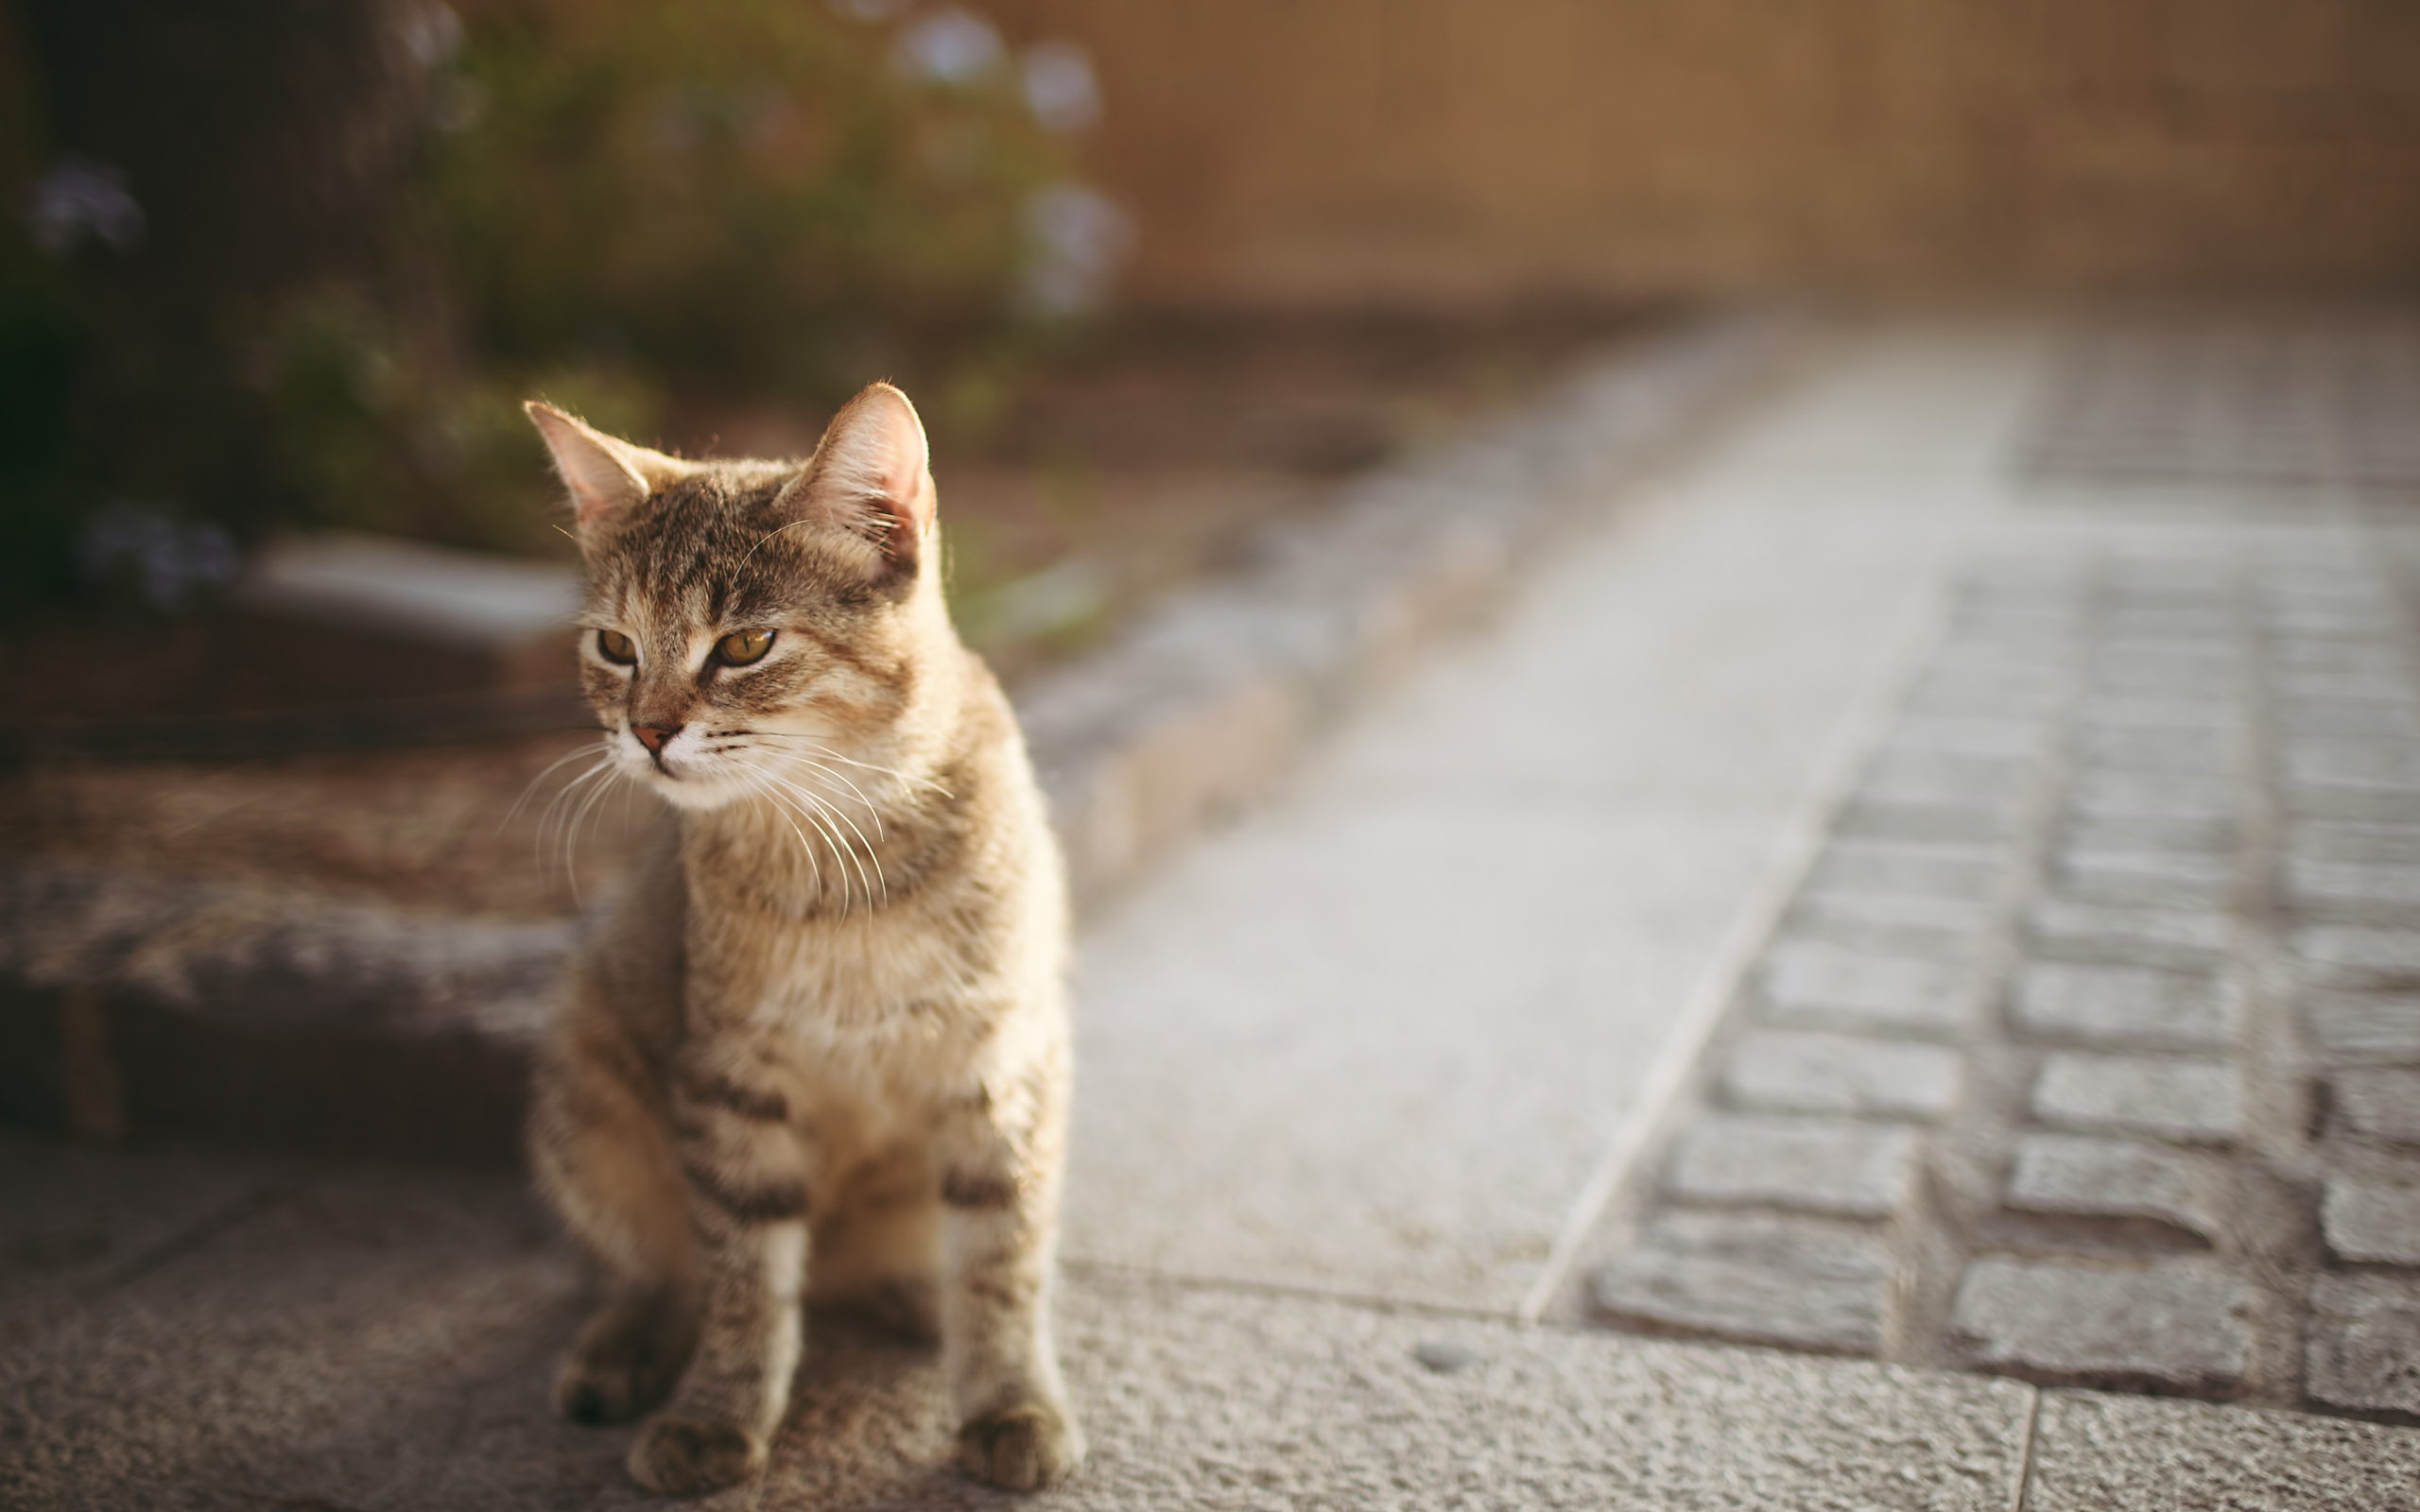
{"x":872,"y":478}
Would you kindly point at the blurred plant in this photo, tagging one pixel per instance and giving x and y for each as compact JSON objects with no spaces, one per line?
{"x":608,"y":200}
{"x":747,"y":193}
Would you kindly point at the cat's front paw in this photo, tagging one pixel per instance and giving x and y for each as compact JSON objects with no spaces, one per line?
{"x":678,"y":1457}
{"x":627,"y":1359}
{"x":610,"y":1388}
{"x":1022,"y":1447}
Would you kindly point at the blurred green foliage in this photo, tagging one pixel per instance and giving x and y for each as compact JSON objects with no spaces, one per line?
{"x":743,"y":193}
{"x":618,"y":200}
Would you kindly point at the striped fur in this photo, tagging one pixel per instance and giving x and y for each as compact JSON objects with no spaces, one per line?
{"x":820,"y":1047}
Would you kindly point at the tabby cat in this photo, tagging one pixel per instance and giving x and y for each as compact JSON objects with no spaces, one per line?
{"x":821,"y":1047}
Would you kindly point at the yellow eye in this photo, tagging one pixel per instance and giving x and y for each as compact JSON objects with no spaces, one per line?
{"x":744,"y":647}
{"x":615,"y":647}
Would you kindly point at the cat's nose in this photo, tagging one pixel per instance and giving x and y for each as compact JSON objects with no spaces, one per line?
{"x":653,"y":736}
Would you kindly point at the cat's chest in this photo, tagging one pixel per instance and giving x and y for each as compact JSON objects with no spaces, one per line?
{"x":872,"y":978}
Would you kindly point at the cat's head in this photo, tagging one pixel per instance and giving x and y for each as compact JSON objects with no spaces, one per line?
{"x":757,"y":628}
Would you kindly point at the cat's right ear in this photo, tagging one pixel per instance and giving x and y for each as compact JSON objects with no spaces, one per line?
{"x":605,"y":476}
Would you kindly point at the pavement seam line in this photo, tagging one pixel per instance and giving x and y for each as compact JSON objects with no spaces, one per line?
{"x":1786,"y":869}
{"x":1285,"y":1291}
{"x":191,"y":1239}
{"x":2026,"y":1437}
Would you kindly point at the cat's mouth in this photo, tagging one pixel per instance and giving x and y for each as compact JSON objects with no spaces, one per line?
{"x":684,"y":777}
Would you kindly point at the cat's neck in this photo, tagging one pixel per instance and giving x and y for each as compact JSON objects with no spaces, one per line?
{"x":845,"y":831}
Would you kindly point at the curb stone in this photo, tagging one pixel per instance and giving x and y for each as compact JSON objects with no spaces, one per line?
{"x":132,"y":1005}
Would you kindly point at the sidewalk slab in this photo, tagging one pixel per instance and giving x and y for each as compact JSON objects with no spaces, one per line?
{"x":2107,"y":1453}
{"x":1373,"y":1039}
{"x":372,"y":1340}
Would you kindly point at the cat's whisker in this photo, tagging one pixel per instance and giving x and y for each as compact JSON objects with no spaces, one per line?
{"x":756,"y":786}
{"x":822,"y":815}
{"x":842,"y":779}
{"x":764,"y":785}
{"x":829,"y":754}
{"x":834,"y":811}
{"x":571,"y":834}
{"x":832,"y":842}
{"x":598,"y":748}
{"x":546,"y":817}
{"x":547,"y":822}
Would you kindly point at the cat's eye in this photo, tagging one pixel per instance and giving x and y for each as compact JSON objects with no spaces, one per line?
{"x":740,"y":647}
{"x":615,"y":647}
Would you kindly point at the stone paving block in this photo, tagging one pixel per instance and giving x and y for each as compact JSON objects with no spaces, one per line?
{"x":1923,"y":928}
{"x":1865,"y":818}
{"x":2380,"y":763}
{"x":1778,"y":1070}
{"x":2347,"y":717}
{"x":2128,"y":794}
{"x":2371,"y":888}
{"x":2156,"y":878}
{"x":2166,"y":1095}
{"x":2145,"y":937}
{"x":2217,"y":713}
{"x":2321,"y":682}
{"x":2356,"y":956}
{"x":1947,"y":874}
{"x":2096,"y":1452}
{"x":2384,"y":844}
{"x":1821,"y":1165}
{"x":2363,"y":1348}
{"x":2178,"y":1326}
{"x":2138,"y":834}
{"x":2144,"y":674}
{"x":1960,"y":693}
{"x":1937,"y":779}
{"x":2376,"y":1103}
{"x":2378,"y":804}
{"x":1813,"y":983}
{"x":1757,"y":1280}
{"x":2068,"y":1177}
{"x":2125,"y":1006}
{"x":2384,"y":1027}
{"x":2203,"y":752}
{"x":2004,"y":739}
{"x":2318,"y":643}
{"x":2374,"y":1221}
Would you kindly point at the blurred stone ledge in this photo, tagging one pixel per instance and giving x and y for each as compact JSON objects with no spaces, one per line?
{"x":133,"y":1004}
{"x":1208,"y":698}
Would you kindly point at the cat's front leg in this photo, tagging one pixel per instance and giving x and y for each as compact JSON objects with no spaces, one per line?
{"x":1000,"y":1192}
{"x":748,"y":1203}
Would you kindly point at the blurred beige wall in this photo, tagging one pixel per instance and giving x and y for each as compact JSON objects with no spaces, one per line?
{"x":1457,"y":153}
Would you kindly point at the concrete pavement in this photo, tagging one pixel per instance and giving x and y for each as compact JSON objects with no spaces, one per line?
{"x":1395,"y":1063}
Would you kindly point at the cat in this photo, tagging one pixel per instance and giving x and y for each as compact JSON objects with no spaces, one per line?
{"x":821,"y":1047}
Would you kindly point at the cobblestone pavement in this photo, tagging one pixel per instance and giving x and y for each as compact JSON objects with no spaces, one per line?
{"x":2089,"y":1050}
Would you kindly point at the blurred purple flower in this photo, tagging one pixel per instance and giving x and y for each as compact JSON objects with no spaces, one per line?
{"x":1059,"y":87}
{"x":1079,"y":239}
{"x":169,"y":563}
{"x":951,"y":47}
{"x":79,"y":198}
{"x":433,"y":33}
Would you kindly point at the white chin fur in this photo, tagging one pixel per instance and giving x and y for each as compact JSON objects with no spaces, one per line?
{"x":696,"y":794}
{"x":684,"y":786}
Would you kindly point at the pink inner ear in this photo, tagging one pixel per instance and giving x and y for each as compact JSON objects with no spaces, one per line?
{"x":899,"y":464}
